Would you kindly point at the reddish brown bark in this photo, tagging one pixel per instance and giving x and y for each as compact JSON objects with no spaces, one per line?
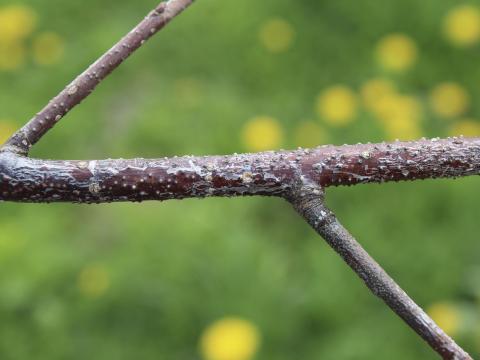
{"x":85,"y":83}
{"x":268,"y":173}
{"x":300,"y":176}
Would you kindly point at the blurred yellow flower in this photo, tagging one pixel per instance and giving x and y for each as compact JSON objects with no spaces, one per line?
{"x":449,"y":99}
{"x":12,"y":55}
{"x":462,"y":25}
{"x":396,"y":106}
{"x":309,"y":134}
{"x":7,"y":128}
{"x":262,"y":133}
{"x":374,"y":91}
{"x":230,"y":338}
{"x":16,"y":22}
{"x":465,"y":127}
{"x":48,"y":48}
{"x":400,"y":116}
{"x":277,"y":35}
{"x":93,"y":280}
{"x":446,"y":315}
{"x":396,"y":52}
{"x":337,"y":105}
{"x":402,"y":129}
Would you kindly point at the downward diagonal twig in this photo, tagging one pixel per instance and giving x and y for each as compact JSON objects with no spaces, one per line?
{"x":270,"y":173}
{"x":309,"y":203}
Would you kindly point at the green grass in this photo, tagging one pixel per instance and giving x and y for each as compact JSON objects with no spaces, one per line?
{"x":175,"y":267}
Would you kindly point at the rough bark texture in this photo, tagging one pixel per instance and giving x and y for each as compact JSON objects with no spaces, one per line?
{"x":85,"y":83}
{"x":300,"y":175}
{"x":307,"y":199}
{"x":268,"y":173}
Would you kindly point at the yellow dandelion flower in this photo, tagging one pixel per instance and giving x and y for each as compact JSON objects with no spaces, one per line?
{"x":402,"y":129}
{"x":465,"y":127}
{"x":48,"y":48}
{"x":374,"y":91}
{"x":396,"y":106}
{"x":400,"y":116}
{"x":12,"y":55}
{"x":276,"y":35}
{"x":309,"y":134}
{"x":449,"y":100}
{"x":447,"y":316}
{"x":262,"y":133}
{"x":16,"y":22}
{"x":7,"y":128}
{"x":93,"y":280}
{"x":337,"y":105}
{"x":396,"y":52}
{"x":230,"y":338}
{"x":461,"y":26}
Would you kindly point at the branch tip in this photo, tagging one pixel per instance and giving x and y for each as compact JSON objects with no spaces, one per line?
{"x":310,"y":205}
{"x":85,"y":83}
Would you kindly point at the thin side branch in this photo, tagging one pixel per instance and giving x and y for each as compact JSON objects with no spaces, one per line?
{"x":85,"y":83}
{"x":309,"y":203}
{"x":270,"y":173}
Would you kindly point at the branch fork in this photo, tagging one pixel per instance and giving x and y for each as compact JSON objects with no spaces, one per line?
{"x":299,"y":176}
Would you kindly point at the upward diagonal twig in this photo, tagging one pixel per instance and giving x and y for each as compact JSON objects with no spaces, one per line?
{"x":85,"y":83}
{"x":270,"y":173}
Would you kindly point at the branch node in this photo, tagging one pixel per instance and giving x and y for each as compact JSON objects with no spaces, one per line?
{"x":85,"y":83}
{"x":18,"y":144}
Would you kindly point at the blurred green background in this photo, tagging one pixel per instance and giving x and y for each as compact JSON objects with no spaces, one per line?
{"x":148,"y":280}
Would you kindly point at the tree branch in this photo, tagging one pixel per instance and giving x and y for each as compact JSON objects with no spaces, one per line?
{"x":85,"y":83}
{"x":299,"y":176}
{"x":270,"y":173}
{"x":309,"y":203}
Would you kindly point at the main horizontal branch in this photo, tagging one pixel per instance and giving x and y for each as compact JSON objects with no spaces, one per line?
{"x":24,"y":179}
